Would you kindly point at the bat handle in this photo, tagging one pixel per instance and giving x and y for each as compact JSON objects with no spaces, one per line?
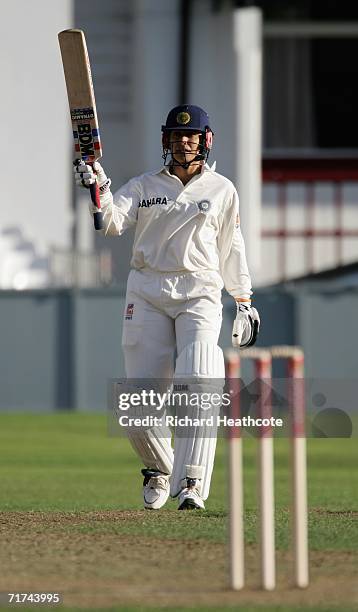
{"x":97,"y":216}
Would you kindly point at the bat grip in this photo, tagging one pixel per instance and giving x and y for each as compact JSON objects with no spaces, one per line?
{"x":97,"y":216}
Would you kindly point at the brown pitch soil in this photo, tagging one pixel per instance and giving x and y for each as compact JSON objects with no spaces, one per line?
{"x":51,"y":552}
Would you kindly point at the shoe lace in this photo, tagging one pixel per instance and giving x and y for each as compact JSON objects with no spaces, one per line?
{"x":154,"y":479}
{"x":193,"y":484}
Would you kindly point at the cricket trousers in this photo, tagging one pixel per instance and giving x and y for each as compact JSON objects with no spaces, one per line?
{"x":171,"y":328}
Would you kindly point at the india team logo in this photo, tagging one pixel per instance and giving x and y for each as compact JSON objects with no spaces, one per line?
{"x":204,"y":206}
{"x":183,"y":118}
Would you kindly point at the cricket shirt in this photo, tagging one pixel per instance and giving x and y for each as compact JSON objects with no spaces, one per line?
{"x":182,"y":228}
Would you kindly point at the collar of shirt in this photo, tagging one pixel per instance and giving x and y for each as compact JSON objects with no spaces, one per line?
{"x":205,"y":168}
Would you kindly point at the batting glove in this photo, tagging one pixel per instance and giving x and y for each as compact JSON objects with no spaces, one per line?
{"x":246,"y":326}
{"x":86,"y":175}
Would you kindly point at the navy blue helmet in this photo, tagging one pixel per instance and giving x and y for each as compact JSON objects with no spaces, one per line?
{"x":191,"y":118}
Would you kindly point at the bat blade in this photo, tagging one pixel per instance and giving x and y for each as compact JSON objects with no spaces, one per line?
{"x":82,"y":103}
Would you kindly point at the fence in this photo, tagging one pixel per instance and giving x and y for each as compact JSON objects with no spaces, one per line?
{"x":68,"y":268}
{"x":59,"y":347}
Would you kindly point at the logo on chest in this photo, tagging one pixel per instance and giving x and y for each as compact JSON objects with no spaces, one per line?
{"x":147,"y":203}
{"x":204,"y":206}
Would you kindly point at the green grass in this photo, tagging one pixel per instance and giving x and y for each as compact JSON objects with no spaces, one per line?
{"x":67,"y":462}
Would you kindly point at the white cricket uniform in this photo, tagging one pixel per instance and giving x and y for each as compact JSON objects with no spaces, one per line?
{"x":187,"y":246}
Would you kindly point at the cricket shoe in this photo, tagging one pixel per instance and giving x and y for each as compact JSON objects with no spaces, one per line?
{"x":189,"y":496}
{"x":155,"y":489}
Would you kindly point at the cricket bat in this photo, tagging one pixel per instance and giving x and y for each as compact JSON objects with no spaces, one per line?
{"x":80,"y":91}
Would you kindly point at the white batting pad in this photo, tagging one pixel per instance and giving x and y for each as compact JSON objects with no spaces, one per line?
{"x":152,"y":444}
{"x":153,"y":449}
{"x":202,"y":359}
{"x":201,"y":367}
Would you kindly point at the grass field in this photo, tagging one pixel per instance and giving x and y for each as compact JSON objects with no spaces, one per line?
{"x":72,"y":522}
